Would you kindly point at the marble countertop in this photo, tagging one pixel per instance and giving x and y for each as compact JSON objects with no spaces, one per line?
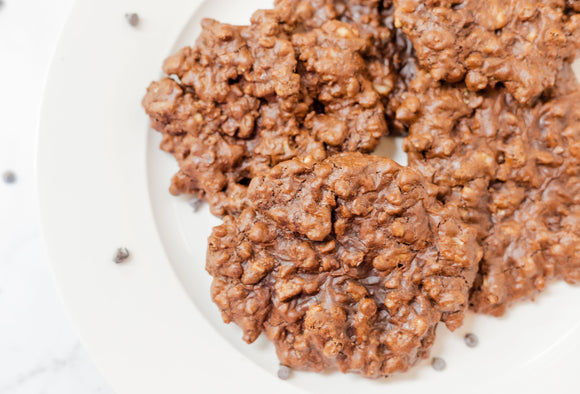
{"x":39,"y":351}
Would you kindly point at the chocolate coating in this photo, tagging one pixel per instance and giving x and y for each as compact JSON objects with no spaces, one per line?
{"x":389,"y":55}
{"x":245,"y":98}
{"x":513,"y":171}
{"x":521,"y":43}
{"x":346,"y":263}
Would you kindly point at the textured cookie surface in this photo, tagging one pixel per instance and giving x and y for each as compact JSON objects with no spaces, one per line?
{"x":389,"y":55}
{"x":514,"y":173}
{"x":346,"y":263}
{"x":245,"y":98}
{"x":520,"y":43}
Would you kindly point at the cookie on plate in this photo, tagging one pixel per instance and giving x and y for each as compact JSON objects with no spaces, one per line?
{"x":344,"y":263}
{"x":514,"y":173}
{"x":521,"y":44}
{"x":245,"y":98}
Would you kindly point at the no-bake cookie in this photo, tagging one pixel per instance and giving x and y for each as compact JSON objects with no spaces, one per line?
{"x":245,"y":98}
{"x":514,"y":173}
{"x":521,"y":44}
{"x":346,"y":263}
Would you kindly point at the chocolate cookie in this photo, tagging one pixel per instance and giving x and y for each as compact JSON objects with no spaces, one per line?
{"x":520,"y":43}
{"x":245,"y":98}
{"x":389,"y":55}
{"x":344,"y":263}
{"x":514,"y":173}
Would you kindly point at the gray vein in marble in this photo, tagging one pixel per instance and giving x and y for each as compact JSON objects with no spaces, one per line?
{"x":55,"y":365}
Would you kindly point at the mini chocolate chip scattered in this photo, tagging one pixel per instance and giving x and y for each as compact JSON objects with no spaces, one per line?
{"x":132,"y":18}
{"x":195,"y":203}
{"x":9,"y":177}
{"x":121,"y":256}
{"x":284,"y":372}
{"x":438,"y":364}
{"x":471,"y":340}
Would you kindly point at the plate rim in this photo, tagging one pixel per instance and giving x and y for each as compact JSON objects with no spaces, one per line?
{"x":51,"y":186}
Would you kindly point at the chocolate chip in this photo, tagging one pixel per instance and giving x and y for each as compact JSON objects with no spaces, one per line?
{"x":132,"y":18}
{"x":121,"y":256}
{"x":195,"y":203}
{"x":284,"y":372}
{"x":438,"y":364}
{"x":471,"y":340}
{"x":9,"y":177}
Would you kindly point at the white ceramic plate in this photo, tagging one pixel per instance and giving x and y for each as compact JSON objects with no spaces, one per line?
{"x":150,"y":324}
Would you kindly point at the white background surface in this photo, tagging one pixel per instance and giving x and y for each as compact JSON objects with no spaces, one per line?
{"x":39,"y":351}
